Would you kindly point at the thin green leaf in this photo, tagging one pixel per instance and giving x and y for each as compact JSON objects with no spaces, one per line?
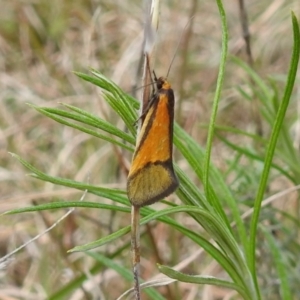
{"x":191,"y":152}
{"x":59,"y":205}
{"x":285,"y":288}
{"x":102,"y":124}
{"x":215,"y":228}
{"x":124,"y":272}
{"x":194,"y":155}
{"x":217,"y":97}
{"x":253,"y":156}
{"x":55,"y":113}
{"x":254,"y":137}
{"x":63,"y":293}
{"x":266,"y":91}
{"x":113,"y":194}
{"x":122,"y":103}
{"x":105,"y":240}
{"x":271,"y":147}
{"x":203,"y":280}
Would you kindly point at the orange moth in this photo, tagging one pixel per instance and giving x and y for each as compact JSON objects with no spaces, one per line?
{"x":151,"y":176}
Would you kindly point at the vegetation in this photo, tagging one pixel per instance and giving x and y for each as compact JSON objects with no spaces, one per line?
{"x":231,"y":230}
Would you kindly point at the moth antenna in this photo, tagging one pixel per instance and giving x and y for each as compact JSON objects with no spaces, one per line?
{"x":178,"y":44}
{"x":154,"y":74}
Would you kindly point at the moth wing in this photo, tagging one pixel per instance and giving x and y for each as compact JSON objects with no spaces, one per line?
{"x":152,"y":183}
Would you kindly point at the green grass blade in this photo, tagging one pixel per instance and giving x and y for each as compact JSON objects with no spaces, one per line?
{"x":54,"y":115}
{"x":113,"y":194}
{"x":193,"y":153}
{"x":271,"y":147}
{"x":230,"y":259}
{"x":89,"y":119}
{"x":60,"y":205}
{"x":68,"y":288}
{"x":262,"y":86}
{"x":124,"y":272}
{"x":256,"y":157}
{"x":216,"y":98}
{"x":123,"y":104}
{"x":197,"y":279}
{"x":285,"y":289}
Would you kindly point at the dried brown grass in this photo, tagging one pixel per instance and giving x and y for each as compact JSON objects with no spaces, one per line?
{"x":41,"y":43}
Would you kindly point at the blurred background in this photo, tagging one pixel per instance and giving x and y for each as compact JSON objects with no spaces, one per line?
{"x":41,"y":44}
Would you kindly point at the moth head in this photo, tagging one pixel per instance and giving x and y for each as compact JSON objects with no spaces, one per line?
{"x":162,"y":83}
